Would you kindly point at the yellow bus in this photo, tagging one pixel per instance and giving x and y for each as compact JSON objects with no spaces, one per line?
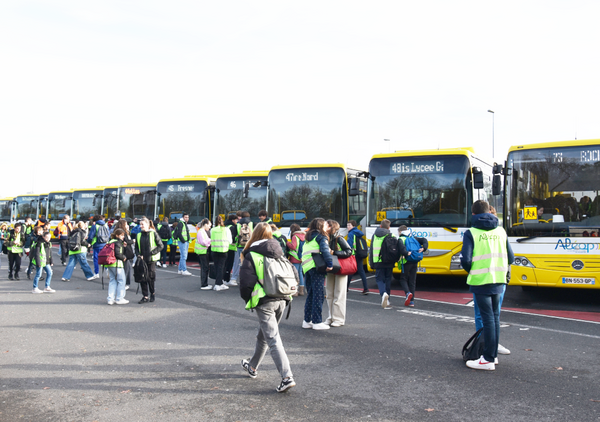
{"x":42,"y":208}
{"x":59,"y":204}
{"x":87,"y":203}
{"x":26,"y":206}
{"x":299,"y":193}
{"x":431,"y":192}
{"x":245,"y":191}
{"x":189,"y":194}
{"x":110,"y":202}
{"x":6,"y":208}
{"x":552,"y":213}
{"x":136,"y":200}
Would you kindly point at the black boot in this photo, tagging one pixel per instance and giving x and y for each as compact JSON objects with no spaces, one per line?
{"x":152,"y":297}
{"x":10,"y":277}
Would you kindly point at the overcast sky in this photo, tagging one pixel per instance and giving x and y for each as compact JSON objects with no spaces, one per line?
{"x":113,"y":92}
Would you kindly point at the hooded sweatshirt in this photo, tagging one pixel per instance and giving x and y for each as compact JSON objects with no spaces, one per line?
{"x":92,"y":234}
{"x":380,"y":232}
{"x":351,"y":235}
{"x":293,"y":244}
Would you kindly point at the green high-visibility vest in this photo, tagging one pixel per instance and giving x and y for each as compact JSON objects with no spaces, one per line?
{"x":239,"y":231}
{"x":377,"y":242}
{"x":490,"y":257}
{"x":219,"y":242}
{"x":156,"y":256}
{"x":17,"y":249}
{"x":232,"y":246}
{"x":43,"y":259}
{"x":118,"y":263}
{"x":307,"y":251}
{"x":294,"y":253}
{"x":258,"y":292}
{"x":185,"y":231}
{"x":198,"y":248}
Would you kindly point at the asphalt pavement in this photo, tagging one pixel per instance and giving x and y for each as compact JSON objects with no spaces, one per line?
{"x":68,"y":356}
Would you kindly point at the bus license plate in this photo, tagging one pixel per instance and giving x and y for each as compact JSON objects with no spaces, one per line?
{"x":422,"y":270}
{"x":577,"y":280}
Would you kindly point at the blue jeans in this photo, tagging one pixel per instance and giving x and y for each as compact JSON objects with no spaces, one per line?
{"x":360,"y":270}
{"x":183,"y":253}
{"x":313,"y":307}
{"x":38,"y":274}
{"x":300,"y":274}
{"x":489,"y":307}
{"x":235,"y":272}
{"x":478,"y":322}
{"x":116,"y":283}
{"x":73,"y":260}
{"x":96,"y":250}
{"x":383,"y":276}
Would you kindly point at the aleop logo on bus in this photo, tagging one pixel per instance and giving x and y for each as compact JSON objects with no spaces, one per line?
{"x":574,"y":246}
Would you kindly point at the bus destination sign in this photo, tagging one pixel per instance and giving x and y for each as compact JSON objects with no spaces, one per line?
{"x":411,"y":167}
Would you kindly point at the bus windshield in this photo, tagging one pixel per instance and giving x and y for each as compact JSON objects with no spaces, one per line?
{"x":177,"y":197}
{"x":59,"y":204}
{"x":109,"y":202}
{"x":86,"y":204}
{"x":26,"y":207}
{"x":425,"y":191}
{"x":137,"y":202}
{"x":298,"y":195}
{"x":5,"y":210}
{"x":554,"y":192}
{"x":230,"y":196}
{"x":43,"y":205}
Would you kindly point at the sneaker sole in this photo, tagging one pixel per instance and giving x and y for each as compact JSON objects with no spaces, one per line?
{"x":408,"y":299}
{"x":286,"y":388}
{"x":385,"y":301}
{"x":248,"y":372}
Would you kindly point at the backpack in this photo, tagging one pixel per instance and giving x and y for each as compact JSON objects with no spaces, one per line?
{"x":55,"y":232}
{"x":140,"y":271}
{"x":283,"y":243}
{"x":361,"y":250}
{"x":244,"y":235}
{"x":390,"y":254}
{"x":102,"y":233}
{"x":300,"y":247}
{"x":413,"y":246}
{"x":164,"y":232}
{"x":75,"y":241}
{"x":135,"y":230}
{"x":106,"y":256}
{"x":280,"y":277}
{"x":474,"y":346}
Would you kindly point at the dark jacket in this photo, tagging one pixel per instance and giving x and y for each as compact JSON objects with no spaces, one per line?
{"x":129,"y":249}
{"x":340,"y":247}
{"x":119,"y":250}
{"x":232,"y":229}
{"x":36,"y":251}
{"x":178,"y":235}
{"x":92,"y":234}
{"x":142,"y":248}
{"x":10,"y":240}
{"x":248,"y":278}
{"x":402,"y":247}
{"x":379,"y":233}
{"x":323,"y":242}
{"x":164,"y":227}
{"x":351,"y":234}
{"x":482,"y":222}
{"x":84,"y":242}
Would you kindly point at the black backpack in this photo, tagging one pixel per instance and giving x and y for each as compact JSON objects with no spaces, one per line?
{"x":474,"y":346}
{"x":361,"y":250}
{"x":390,"y":253}
{"x":164,"y":232}
{"x":75,"y":241}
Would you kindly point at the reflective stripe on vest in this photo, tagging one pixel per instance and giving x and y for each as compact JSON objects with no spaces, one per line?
{"x":232,"y":246}
{"x":219,"y":242}
{"x":309,"y":248}
{"x":377,"y":242}
{"x":16,"y":249}
{"x":198,"y":248}
{"x":43,"y":259}
{"x":294,"y":253}
{"x":258,"y":292}
{"x":156,"y":256}
{"x":490,"y":257}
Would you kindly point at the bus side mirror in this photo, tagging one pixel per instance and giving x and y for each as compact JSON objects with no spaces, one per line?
{"x":264,"y":183}
{"x":353,"y":188}
{"x":246,"y":189}
{"x":477,"y":178}
{"x":497,"y":185}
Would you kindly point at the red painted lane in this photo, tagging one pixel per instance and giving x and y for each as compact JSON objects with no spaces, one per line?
{"x":584,"y":316}
{"x":447,"y":297}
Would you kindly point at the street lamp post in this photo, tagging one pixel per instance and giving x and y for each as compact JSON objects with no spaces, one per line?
{"x":493,"y":152}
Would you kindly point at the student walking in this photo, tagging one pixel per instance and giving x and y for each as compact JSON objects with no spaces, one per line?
{"x":354,"y":235}
{"x":116,"y":271}
{"x":78,"y":255}
{"x":408,"y":277}
{"x":36,"y":236}
{"x":294,"y":246}
{"x":269,"y":310}
{"x":201,"y":249}
{"x":231,"y":225}
{"x":147,"y":247}
{"x":220,"y":240}
{"x":42,"y":260}
{"x":14,"y":245}
{"x":316,"y":242}
{"x":383,"y":270}
{"x":182,"y":235}
{"x":336,"y":285}
{"x":244,"y":231}
{"x":98,"y":236}
{"x":64,"y":229}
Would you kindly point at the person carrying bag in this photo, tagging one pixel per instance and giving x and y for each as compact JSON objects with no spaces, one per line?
{"x":337,"y":282}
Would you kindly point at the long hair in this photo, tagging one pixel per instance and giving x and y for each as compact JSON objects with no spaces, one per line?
{"x":334,"y":227}
{"x":219,"y":221}
{"x":294,"y":228}
{"x":261,"y":231}
{"x":122,"y":224}
{"x":116,"y":233}
{"x":318,"y":224}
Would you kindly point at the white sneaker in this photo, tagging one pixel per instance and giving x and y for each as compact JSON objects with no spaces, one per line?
{"x":231,"y":283}
{"x":320,"y":326}
{"x":37,"y":291}
{"x":481,"y":363}
{"x":209,"y":287}
{"x":385,"y":300}
{"x":307,"y":324}
{"x":111,"y":302}
{"x":96,"y":276}
{"x":91,"y":278}
{"x":64,"y":279}
{"x":495,"y":361}
{"x":49,"y":290}
{"x":179,"y":272}
{"x":122,"y":302}
{"x":126,"y":287}
{"x":158,"y":264}
{"x":186,"y":272}
{"x":503,"y":350}
{"x":218,"y":288}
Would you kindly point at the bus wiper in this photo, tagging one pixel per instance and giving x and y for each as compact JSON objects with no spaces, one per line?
{"x":525,"y":239}
{"x":445,"y":226}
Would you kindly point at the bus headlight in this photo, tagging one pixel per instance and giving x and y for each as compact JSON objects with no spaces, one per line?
{"x":522,"y":261}
{"x":455,"y":262}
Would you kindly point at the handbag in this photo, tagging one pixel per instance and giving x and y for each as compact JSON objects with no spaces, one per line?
{"x":321,"y":266}
{"x":347,"y":266}
{"x":473,"y":348}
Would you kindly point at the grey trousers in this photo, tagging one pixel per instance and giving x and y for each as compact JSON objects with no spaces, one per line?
{"x":269,"y":315}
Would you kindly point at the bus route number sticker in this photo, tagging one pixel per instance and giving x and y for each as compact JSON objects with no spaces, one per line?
{"x":381,"y":215}
{"x":530,"y":213}
{"x":276,"y":218}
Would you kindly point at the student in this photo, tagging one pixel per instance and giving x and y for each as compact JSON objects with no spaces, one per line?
{"x":383,"y":271}
{"x":173,"y":246}
{"x":316,"y":242}
{"x":129,"y":250}
{"x":220,"y":240}
{"x":42,"y":259}
{"x":231,"y":225}
{"x":98,"y":236}
{"x":78,"y":256}
{"x":201,"y":249}
{"x":294,"y":247}
{"x":269,"y":310}
{"x":336,"y":286}
{"x":487,"y":260}
{"x":165,"y":233}
{"x":263,"y":217}
{"x":244,"y":231}
{"x":64,"y":229}
{"x":280,"y":237}
{"x":116,"y":285}
{"x":147,"y":247}
{"x":14,"y":244}
{"x":3,"y":236}
{"x":353,"y":235}
{"x":36,"y":237}
{"x":183,"y":238}
{"x":408,"y":277}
